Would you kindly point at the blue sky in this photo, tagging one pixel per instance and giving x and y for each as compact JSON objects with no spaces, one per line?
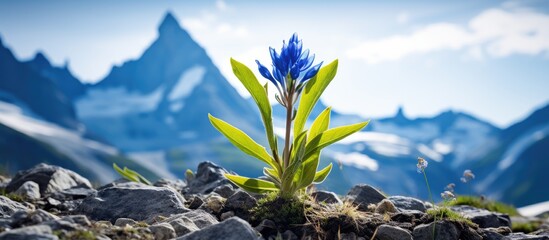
{"x":487,"y":58}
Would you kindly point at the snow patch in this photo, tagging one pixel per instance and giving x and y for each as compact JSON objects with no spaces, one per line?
{"x":114,"y":102}
{"x":429,"y":153}
{"x":357,"y":160}
{"x":187,"y":82}
{"x":534,"y":209}
{"x":82,"y":151}
{"x":423,"y":132}
{"x":176,"y":106}
{"x":441,"y":147}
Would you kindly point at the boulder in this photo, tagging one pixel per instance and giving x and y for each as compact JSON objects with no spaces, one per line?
{"x":225,"y":191}
{"x":240,"y":203}
{"x":9,"y":207}
{"x":122,"y":222}
{"x":364,"y":195}
{"x":162,"y":231}
{"x":24,"y":218}
{"x":132,"y":200}
{"x":326,"y":197}
{"x":484,"y":218}
{"x":208,"y":176}
{"x":388,"y":232}
{"x":231,"y":229}
{"x":200,"y":218}
{"x":41,"y":232}
{"x":408,"y":203}
{"x":177,"y":185}
{"x":49,"y":178}
{"x":385,"y":206}
{"x":443,"y":230}
{"x":29,"y":191}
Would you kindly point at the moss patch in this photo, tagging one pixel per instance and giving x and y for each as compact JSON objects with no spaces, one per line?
{"x":493,"y":206}
{"x":284,"y":212}
{"x":526,"y":227}
{"x":448,"y":214}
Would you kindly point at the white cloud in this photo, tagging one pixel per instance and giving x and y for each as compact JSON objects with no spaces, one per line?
{"x":221,"y":5}
{"x":494,"y":32}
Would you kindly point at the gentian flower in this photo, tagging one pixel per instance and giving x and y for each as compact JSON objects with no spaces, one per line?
{"x":291,"y":69}
{"x":421,"y":164}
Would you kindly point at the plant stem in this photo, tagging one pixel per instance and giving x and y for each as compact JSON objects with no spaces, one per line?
{"x":287,"y":140}
{"x":433,"y":202}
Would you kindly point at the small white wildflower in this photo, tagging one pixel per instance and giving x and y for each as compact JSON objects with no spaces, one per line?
{"x":467,"y":176}
{"x":450,"y":187}
{"x":421,"y":164}
{"x":447,"y":195}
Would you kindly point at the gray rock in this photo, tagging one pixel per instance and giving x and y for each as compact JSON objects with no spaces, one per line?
{"x":226,"y":215}
{"x":132,"y":200}
{"x":183,"y":225}
{"x":522,"y":236}
{"x":364,"y":195}
{"x":327,"y":197}
{"x":29,"y":190}
{"x":240,"y":201}
{"x":72,"y":194}
{"x":24,"y":218}
{"x":201,"y":218}
{"x":162,"y":231}
{"x":388,"y":232}
{"x":225,"y":191}
{"x":213,"y":203}
{"x":9,"y":207}
{"x":208,"y":177}
{"x":484,"y":218}
{"x":49,"y":178}
{"x":385,"y":206}
{"x":81,"y":220}
{"x":195,"y":202}
{"x":230,"y":229}
{"x":122,"y":222}
{"x":38,"y":232}
{"x":443,"y":230}
{"x":289,"y":235}
{"x":408,"y":203}
{"x":346,"y":236}
{"x":267,"y":227}
{"x":177,"y":185}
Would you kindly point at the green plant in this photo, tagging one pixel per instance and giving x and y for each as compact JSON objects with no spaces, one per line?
{"x":447,"y":213}
{"x":481,"y":202}
{"x":525,"y":227}
{"x":283,"y":211}
{"x":297,"y":82}
{"x":131,"y":175}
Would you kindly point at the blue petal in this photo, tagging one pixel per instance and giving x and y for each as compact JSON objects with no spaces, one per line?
{"x":265,"y":72}
{"x":294,"y":72}
{"x":312,"y":72}
{"x":294,"y":38}
{"x":279,"y":77}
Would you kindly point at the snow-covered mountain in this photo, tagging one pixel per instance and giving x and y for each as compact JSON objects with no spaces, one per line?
{"x":515,"y":168}
{"x":162,"y":99}
{"x":18,"y":81}
{"x":150,"y":114}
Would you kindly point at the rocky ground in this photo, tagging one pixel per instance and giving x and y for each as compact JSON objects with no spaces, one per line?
{"x":49,"y":202}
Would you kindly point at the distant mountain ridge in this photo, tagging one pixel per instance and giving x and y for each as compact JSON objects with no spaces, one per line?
{"x":150,"y":113}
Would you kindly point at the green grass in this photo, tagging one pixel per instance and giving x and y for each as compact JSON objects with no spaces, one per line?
{"x":527,"y":227}
{"x":448,"y":214}
{"x":493,"y":206}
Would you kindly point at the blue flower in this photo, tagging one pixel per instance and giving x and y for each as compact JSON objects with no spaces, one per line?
{"x":421,"y":164}
{"x":291,"y":68}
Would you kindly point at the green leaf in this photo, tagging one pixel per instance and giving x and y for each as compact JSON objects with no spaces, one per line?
{"x":322,"y":174}
{"x":272,"y":175}
{"x":331,"y":136}
{"x":252,"y":184}
{"x":309,"y":167}
{"x":320,"y":124}
{"x":311,"y":94}
{"x":242,"y":141}
{"x":124,"y":173}
{"x":259,"y":94}
{"x":140,"y":178}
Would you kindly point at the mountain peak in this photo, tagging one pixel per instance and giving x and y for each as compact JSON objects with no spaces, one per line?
{"x":40,"y":59}
{"x":169,"y":23}
{"x":400,"y":113}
